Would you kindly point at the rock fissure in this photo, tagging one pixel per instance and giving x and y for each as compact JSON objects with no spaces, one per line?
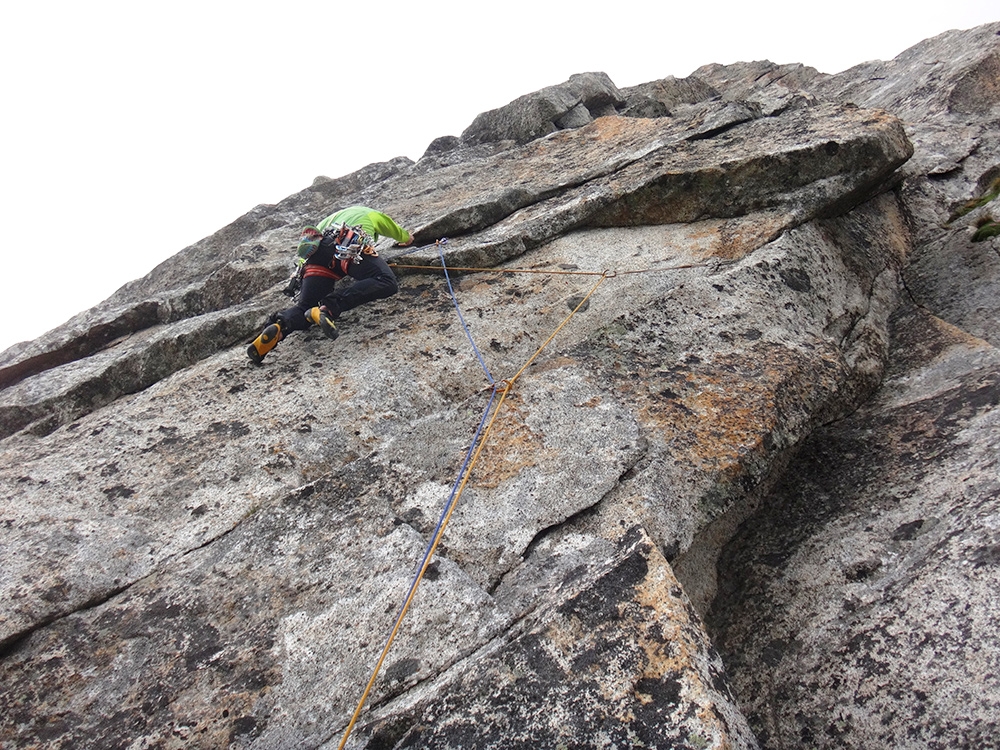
{"x":712,"y":132}
{"x":568,"y":523}
{"x":96,"y":338}
{"x":10,"y":643}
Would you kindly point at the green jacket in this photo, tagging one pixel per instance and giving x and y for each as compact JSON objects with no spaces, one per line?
{"x":375,"y":223}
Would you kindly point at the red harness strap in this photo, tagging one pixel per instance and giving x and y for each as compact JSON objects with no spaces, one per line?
{"x":337,"y":271}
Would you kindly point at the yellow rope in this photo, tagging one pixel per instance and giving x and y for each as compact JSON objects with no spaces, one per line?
{"x":420,"y":575}
{"x":665,"y":268}
{"x":607,"y":274}
{"x":566,"y":320}
{"x":506,"y":385}
{"x":501,"y":270}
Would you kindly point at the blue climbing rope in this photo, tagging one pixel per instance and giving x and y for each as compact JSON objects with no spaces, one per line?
{"x":468,"y":334}
{"x":446,"y":510}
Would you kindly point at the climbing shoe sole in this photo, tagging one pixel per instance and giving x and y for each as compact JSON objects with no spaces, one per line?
{"x":327,"y":325}
{"x":254,"y":355}
{"x":264,"y":343}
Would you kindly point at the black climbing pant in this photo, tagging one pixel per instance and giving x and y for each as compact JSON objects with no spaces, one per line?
{"x":373,"y":279}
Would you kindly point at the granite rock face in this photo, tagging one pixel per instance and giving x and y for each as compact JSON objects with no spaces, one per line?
{"x":568,"y":678}
{"x":874,"y":565}
{"x":731,"y":339}
{"x":858,"y":608}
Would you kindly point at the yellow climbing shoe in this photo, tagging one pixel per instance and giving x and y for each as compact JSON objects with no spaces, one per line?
{"x":320,"y":316}
{"x":264,"y":343}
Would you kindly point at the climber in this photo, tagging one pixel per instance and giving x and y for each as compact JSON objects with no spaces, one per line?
{"x":342,"y":244}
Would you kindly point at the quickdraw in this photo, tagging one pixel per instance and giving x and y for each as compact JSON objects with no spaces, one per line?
{"x":350,"y":242}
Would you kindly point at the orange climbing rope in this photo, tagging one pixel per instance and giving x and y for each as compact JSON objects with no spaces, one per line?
{"x":580,"y":304}
{"x":503,"y":387}
{"x":550,"y":272}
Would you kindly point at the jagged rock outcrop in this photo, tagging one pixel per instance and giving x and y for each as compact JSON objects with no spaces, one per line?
{"x":204,"y":554}
{"x":573,"y":104}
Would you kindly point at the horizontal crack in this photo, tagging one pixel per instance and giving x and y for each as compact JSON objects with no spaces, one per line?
{"x":574,"y":518}
{"x":11,"y":643}
{"x":96,"y":338}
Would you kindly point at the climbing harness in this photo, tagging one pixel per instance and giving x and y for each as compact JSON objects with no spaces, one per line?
{"x":349,"y":242}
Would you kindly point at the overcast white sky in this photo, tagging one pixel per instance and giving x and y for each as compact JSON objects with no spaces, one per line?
{"x":131,"y":129}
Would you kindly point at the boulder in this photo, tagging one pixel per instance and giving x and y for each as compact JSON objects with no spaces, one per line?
{"x":572,"y":104}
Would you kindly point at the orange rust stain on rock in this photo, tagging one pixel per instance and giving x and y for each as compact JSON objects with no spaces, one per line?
{"x":740,"y":237}
{"x":512,"y":447}
{"x":552,"y":364}
{"x":723,"y":416}
{"x":732,"y":239}
{"x":723,"y":411}
{"x":338,"y":384}
{"x":731,"y":422}
{"x":615,"y":127}
{"x":673,"y":638}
